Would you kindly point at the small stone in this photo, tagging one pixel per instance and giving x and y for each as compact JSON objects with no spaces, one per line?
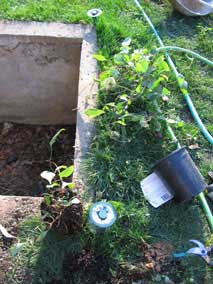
{"x":165,"y":98}
{"x":194,"y":147}
{"x":149,"y":265}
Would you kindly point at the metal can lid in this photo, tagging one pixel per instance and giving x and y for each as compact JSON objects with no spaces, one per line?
{"x":102,"y":214}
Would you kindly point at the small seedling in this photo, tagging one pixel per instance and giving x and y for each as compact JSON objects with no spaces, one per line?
{"x":53,"y":140}
{"x":61,"y":209}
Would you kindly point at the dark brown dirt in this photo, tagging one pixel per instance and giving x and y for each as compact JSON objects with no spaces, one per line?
{"x":24,"y":154}
{"x":86,"y":267}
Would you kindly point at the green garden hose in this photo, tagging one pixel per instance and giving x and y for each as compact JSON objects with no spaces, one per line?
{"x":187,"y":98}
{"x":189,"y":102}
{"x":185,"y":50}
{"x":206,"y":209}
{"x":186,"y":95}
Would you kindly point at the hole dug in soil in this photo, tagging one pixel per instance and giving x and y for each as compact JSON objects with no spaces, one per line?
{"x":24,"y":154}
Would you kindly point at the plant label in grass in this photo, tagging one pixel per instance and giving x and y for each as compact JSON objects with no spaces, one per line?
{"x":155,"y":190}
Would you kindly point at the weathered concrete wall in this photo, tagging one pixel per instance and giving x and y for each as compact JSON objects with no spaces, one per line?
{"x":39,"y":76}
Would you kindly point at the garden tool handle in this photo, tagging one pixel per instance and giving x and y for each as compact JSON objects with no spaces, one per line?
{"x":208,"y":260}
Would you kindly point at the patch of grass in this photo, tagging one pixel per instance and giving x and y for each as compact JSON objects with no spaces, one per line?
{"x":114,"y":169}
{"x":119,"y":178}
{"x":40,"y":259}
{"x":120,"y":243}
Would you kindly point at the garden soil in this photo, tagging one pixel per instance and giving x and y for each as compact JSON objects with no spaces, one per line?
{"x":25,"y":152}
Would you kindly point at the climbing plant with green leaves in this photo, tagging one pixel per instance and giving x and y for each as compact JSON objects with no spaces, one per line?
{"x":131,"y":88}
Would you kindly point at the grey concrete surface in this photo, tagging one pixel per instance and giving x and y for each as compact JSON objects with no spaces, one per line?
{"x":39,"y":76}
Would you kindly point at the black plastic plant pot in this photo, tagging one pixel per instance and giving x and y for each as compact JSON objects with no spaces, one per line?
{"x":181,"y":174}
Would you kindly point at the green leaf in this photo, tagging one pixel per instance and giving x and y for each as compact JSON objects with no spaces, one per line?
{"x":16,"y":249}
{"x":67,"y":172}
{"x":124,"y":97}
{"x":71,"y":185}
{"x":138,"y":89}
{"x":47,"y":199}
{"x":121,"y":122}
{"x":165,"y":92}
{"x":120,"y":107}
{"x":180,"y":123}
{"x":54,"y":138}
{"x":163,"y":66}
{"x":99,"y":57}
{"x":156,"y":83}
{"x":135,"y":56}
{"x":94,"y":112}
{"x":142,"y":66}
{"x":105,"y":74}
{"x":119,"y":59}
{"x":115,"y":73}
{"x":54,"y":184}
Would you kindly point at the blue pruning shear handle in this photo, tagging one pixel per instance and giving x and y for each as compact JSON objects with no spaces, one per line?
{"x":200,"y":250}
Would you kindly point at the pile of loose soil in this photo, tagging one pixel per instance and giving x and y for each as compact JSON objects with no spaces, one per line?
{"x":156,"y":262}
{"x":86,"y":267}
{"x":24,"y":154}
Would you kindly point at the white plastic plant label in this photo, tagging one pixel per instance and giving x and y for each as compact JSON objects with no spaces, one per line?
{"x":155,"y":190}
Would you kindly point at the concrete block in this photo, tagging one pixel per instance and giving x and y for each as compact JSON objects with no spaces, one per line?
{"x":40,"y":65}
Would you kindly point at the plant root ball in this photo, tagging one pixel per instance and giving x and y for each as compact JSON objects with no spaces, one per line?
{"x":64,"y":219}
